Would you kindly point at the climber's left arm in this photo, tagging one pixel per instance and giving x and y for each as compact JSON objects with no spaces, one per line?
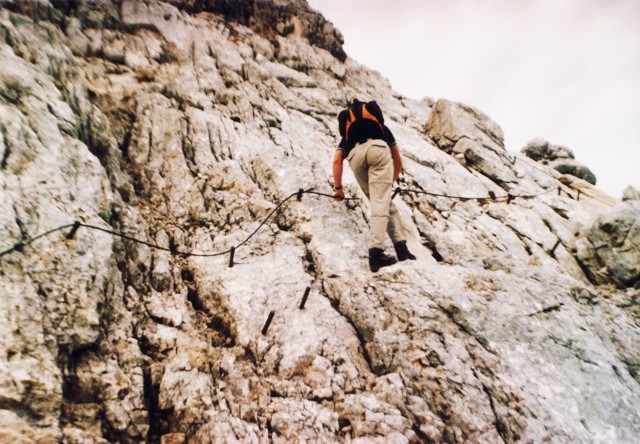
{"x":397,"y":161}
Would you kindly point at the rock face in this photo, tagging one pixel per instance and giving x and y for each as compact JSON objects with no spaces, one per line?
{"x":559,"y":158}
{"x":271,"y":18}
{"x":472,"y":137}
{"x":630,"y":193}
{"x":611,"y":247}
{"x":185,"y":124}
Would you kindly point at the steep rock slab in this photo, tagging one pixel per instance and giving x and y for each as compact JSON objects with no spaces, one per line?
{"x":202,"y":128}
{"x":449,"y":122}
{"x":472,"y":137}
{"x":52,"y":293}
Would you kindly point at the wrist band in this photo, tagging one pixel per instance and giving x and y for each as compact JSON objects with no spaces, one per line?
{"x":337,"y":188}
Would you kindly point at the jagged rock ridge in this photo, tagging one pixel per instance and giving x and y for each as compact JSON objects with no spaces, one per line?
{"x":185,"y":124}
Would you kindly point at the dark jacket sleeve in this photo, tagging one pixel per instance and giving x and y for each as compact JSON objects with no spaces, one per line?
{"x":342,"y":122}
{"x":388,"y":137}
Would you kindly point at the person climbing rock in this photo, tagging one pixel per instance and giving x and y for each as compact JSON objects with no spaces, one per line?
{"x":375,"y":159}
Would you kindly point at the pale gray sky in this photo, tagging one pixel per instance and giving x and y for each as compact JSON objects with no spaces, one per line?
{"x":564,"y":70}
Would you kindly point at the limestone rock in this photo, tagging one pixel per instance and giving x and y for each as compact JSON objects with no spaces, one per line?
{"x":449,"y":122}
{"x":568,"y":166}
{"x":270,"y":18}
{"x":630,"y":193}
{"x":611,"y":247}
{"x":539,"y":149}
{"x":174,"y":132}
{"x":473,"y":138}
{"x":559,"y":158}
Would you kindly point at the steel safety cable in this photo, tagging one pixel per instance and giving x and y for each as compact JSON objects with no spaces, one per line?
{"x":74,"y":226}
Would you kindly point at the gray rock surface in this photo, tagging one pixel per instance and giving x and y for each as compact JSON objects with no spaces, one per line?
{"x":559,"y":158}
{"x":569,"y":166}
{"x":611,"y":247}
{"x":472,"y":137}
{"x":539,"y":149}
{"x":184,"y":125}
{"x":630,"y":193}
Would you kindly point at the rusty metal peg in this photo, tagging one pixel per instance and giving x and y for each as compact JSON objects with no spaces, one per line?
{"x":72,"y":233}
{"x":304,"y":298}
{"x":268,"y":323}
{"x":232,"y":253}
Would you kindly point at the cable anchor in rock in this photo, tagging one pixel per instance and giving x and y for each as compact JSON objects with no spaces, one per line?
{"x":268,"y":323}
{"x":232,"y":253}
{"x":304,"y":298}
{"x":74,"y":228}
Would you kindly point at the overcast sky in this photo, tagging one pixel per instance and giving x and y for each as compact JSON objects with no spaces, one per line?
{"x":564,"y":70}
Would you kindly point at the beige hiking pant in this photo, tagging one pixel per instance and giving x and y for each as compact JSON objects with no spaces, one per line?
{"x":372,"y":165}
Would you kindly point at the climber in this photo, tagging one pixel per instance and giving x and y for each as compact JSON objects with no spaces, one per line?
{"x":374,"y":157}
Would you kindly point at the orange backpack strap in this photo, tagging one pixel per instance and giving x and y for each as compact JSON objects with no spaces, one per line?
{"x":367,"y":115}
{"x":350,"y":120}
{"x":358,"y":113}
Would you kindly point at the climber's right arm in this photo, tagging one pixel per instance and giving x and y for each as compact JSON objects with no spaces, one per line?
{"x":338,"y":158}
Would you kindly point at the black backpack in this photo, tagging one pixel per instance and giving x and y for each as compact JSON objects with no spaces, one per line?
{"x":361,"y":121}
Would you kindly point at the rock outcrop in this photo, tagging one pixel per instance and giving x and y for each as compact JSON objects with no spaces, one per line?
{"x":611,"y":247}
{"x":630,"y":193}
{"x":559,"y":158}
{"x":186,"y":125}
{"x":472,"y":137}
{"x":271,"y":18}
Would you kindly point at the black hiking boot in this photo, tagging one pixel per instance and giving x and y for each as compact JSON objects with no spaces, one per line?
{"x":377,"y":259}
{"x":403,"y":252}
